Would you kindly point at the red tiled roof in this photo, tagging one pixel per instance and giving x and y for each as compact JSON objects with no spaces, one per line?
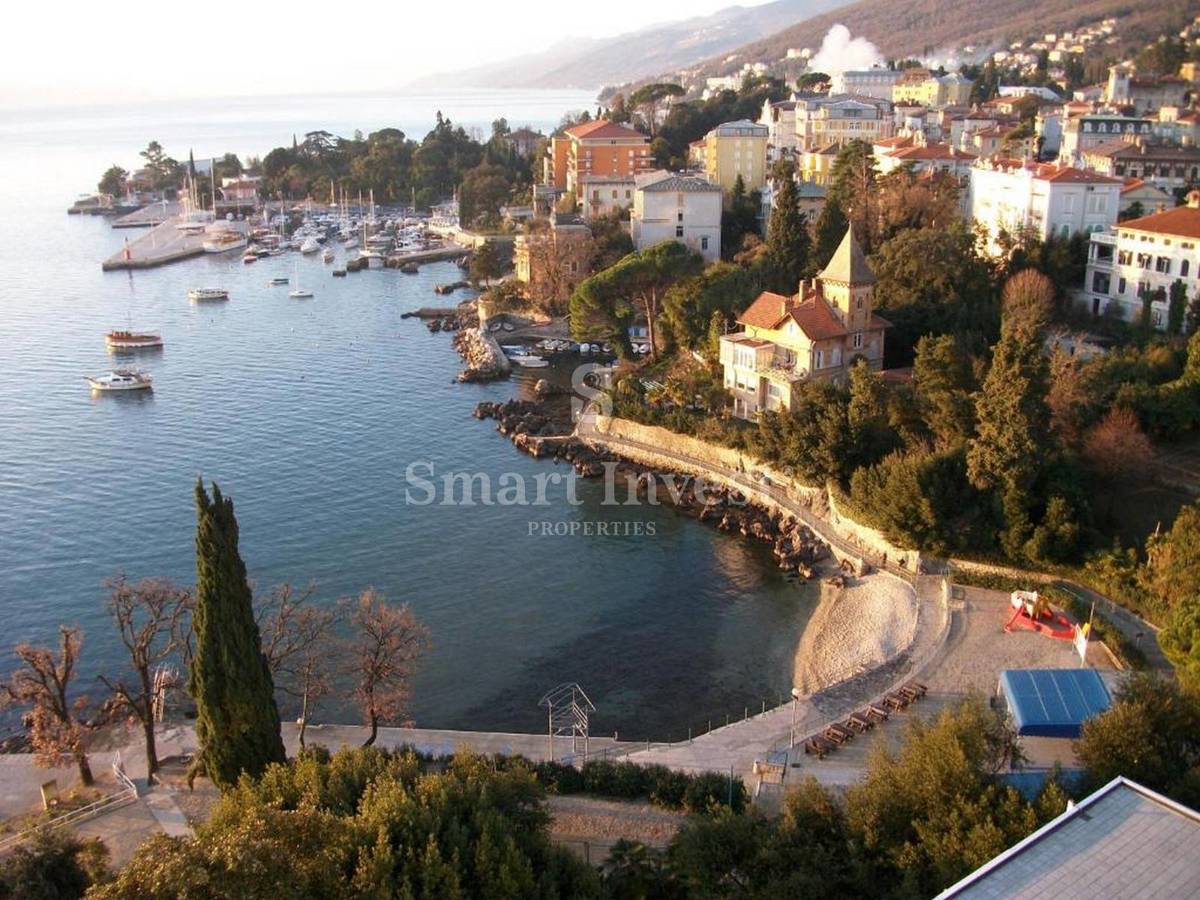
{"x":602,"y":128}
{"x":1064,"y":174}
{"x":814,"y":316}
{"x":816,"y":319}
{"x":1182,"y":221}
{"x":767,"y":311}
{"x":931,"y":151}
{"x":898,"y":141}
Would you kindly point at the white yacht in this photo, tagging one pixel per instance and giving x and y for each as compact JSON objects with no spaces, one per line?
{"x":309,"y":245}
{"x":120,"y":380}
{"x":223,"y":241}
{"x":204,"y":294}
{"x":299,"y":293}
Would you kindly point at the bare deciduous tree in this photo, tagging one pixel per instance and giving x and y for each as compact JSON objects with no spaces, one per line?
{"x":298,"y":643}
{"x":559,"y":259}
{"x":151,"y":618}
{"x":1117,"y":448}
{"x":383,"y":648}
{"x":43,"y":684}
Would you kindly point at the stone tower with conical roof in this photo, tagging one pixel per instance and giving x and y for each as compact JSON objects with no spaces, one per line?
{"x":848,"y":284}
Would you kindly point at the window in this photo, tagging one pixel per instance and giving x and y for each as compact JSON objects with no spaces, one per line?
{"x":856,"y":342}
{"x":1121,"y":286}
{"x":1100,"y":282}
{"x":819,"y":359}
{"x":1124,"y":258}
{"x":1163,"y":265}
{"x":704,"y":243}
{"x":1143,"y":260}
{"x":858,"y":302}
{"x":1184,"y":266}
{"x":678,"y":231}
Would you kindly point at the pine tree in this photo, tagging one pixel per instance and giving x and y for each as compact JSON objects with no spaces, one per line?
{"x":237,"y":721}
{"x":788,"y":243}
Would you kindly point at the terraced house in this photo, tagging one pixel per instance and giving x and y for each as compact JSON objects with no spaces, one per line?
{"x":818,"y":334}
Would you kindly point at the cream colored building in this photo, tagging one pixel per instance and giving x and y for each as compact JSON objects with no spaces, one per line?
{"x":924,"y":88}
{"x":818,"y":334}
{"x":733,"y":149}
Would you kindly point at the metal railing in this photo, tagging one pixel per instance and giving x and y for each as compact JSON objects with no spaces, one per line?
{"x":126,"y":795}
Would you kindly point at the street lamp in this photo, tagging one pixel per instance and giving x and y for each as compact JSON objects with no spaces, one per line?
{"x":795,"y":696}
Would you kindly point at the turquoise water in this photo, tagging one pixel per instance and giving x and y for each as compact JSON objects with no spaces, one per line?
{"x":308,"y":412}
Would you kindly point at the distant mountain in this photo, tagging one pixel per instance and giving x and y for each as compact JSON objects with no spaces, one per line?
{"x":904,"y":28}
{"x":587,"y":63}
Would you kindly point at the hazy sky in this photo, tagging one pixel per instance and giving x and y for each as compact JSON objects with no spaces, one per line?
{"x":107,"y":51}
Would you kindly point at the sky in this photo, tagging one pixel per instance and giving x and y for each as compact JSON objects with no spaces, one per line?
{"x":78,"y":53}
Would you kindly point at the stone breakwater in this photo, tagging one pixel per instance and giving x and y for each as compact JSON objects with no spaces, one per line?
{"x":543,"y":430}
{"x":485,"y":360}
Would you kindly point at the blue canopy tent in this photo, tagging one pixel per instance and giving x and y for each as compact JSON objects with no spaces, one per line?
{"x":1053,"y":702}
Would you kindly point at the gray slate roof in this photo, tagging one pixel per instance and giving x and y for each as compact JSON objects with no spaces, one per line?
{"x":1124,"y":842}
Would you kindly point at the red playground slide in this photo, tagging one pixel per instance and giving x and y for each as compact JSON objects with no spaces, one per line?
{"x":1047,"y":622}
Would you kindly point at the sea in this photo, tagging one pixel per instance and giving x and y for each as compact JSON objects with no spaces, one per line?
{"x":313,"y":415}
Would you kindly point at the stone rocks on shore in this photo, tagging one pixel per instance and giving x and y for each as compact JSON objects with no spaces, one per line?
{"x":543,"y":430}
{"x":485,"y":360}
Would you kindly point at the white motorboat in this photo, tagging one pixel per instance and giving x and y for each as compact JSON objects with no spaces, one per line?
{"x":120,"y":380}
{"x":309,"y":245}
{"x":201,"y":295}
{"x":224,"y":241}
{"x":132,"y":340}
{"x":327,"y":256}
{"x":528,"y":360}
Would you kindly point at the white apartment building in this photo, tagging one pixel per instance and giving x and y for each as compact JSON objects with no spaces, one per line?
{"x":683,"y":208}
{"x":877,"y":83}
{"x":1009,"y":197}
{"x":600,"y":195}
{"x":1141,"y":257}
{"x":780,"y":119}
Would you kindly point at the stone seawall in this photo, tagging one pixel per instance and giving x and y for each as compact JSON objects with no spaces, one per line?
{"x":659,"y":447}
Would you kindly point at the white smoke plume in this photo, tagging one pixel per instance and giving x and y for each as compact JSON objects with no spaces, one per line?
{"x":841,"y":53}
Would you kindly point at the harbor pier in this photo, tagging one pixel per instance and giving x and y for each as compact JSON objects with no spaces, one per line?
{"x":164,"y":243}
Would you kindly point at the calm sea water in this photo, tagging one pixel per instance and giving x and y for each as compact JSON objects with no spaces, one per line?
{"x":308,"y":413}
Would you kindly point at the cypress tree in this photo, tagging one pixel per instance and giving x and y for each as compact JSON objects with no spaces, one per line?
{"x":831,"y":228}
{"x":237,"y":721}
{"x":788,"y":243}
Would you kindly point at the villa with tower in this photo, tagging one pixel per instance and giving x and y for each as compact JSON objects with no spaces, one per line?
{"x":818,"y":334}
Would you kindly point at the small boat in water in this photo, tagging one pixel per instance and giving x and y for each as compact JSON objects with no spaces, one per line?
{"x":528,"y":360}
{"x":132,"y":340}
{"x":299,"y":293}
{"x":327,"y":256}
{"x":120,"y":380}
{"x":280,"y":279}
{"x":250,"y":256}
{"x":205,"y":294}
{"x":309,"y":245}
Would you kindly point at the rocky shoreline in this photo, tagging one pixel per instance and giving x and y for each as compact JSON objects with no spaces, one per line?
{"x":543,"y":429}
{"x":485,"y":360}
